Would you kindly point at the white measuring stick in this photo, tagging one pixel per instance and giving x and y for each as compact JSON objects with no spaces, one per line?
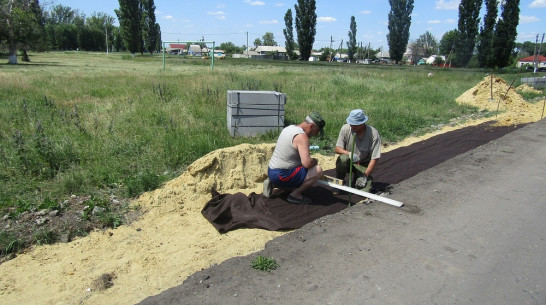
{"x":362,"y":193}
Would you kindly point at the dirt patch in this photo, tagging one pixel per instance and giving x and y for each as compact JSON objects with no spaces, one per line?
{"x":172,"y":240}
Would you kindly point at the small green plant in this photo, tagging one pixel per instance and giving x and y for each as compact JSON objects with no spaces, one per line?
{"x":141,"y":183}
{"x":49,"y":204}
{"x":110,"y":220}
{"x":264,"y":263}
{"x":45,"y":237}
{"x":9,"y":243}
{"x":23,"y":206}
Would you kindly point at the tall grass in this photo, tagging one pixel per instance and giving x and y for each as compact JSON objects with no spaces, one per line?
{"x":88,"y":123}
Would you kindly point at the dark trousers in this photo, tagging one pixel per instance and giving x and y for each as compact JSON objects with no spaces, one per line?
{"x":343,"y":164}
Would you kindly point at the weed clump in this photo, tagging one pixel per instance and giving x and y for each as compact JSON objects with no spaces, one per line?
{"x":264,"y":263}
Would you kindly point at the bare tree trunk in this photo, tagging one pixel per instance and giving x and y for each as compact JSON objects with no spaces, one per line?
{"x":26,"y":58}
{"x":12,"y":57}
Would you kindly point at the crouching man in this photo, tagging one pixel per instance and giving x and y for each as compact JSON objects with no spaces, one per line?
{"x":291,"y":166}
{"x":367,"y":150}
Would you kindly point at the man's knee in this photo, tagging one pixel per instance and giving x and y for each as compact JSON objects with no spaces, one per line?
{"x":315,"y":172}
{"x":318,"y":170}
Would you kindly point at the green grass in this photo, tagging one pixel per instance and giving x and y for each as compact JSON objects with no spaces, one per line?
{"x":264,"y":263}
{"x":91,"y":123}
{"x":9,"y":243}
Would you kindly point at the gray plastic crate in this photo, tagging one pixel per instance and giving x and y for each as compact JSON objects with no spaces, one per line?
{"x":250,"y":113}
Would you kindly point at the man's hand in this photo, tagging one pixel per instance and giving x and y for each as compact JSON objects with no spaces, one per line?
{"x":356,"y":157}
{"x":361,"y":182}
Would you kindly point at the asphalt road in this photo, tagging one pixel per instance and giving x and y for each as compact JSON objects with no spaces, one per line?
{"x":472,"y":231}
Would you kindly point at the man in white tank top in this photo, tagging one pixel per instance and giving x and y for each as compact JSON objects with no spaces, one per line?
{"x":291,"y":166}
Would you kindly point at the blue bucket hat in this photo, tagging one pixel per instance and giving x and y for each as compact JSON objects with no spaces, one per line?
{"x":357,"y":117}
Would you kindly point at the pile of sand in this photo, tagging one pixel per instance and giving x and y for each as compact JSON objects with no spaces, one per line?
{"x":494,"y":94}
{"x":173,"y":240}
{"x":526,"y":88}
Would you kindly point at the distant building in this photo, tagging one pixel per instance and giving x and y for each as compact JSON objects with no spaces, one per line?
{"x":529,"y":60}
{"x":265,"y":50}
{"x":432,"y":59}
{"x":176,"y":48}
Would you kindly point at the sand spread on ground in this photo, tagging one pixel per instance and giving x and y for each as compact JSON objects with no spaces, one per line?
{"x":172,"y":240}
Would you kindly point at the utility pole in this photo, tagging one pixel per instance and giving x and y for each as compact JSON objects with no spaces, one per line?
{"x":247,"y":45}
{"x":537,"y":56}
{"x":331,"y":50}
{"x":106,"y":28}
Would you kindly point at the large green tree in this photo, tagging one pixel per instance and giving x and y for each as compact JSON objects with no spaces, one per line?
{"x":129,"y":16}
{"x":351,"y":43}
{"x":469,"y":11}
{"x":288,"y":32}
{"x":506,"y":33}
{"x":230,"y":48}
{"x":97,"y":30}
{"x":306,"y":22}
{"x":269,"y":39}
{"x":399,"y":26}
{"x":151,"y":33}
{"x":447,"y":45}
{"x":528,"y":48}
{"x":21,"y":22}
{"x":487,"y":31}
{"x":425,"y":46}
{"x":61,"y":28}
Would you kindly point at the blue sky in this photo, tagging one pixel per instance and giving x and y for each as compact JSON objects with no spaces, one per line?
{"x":223,"y":21}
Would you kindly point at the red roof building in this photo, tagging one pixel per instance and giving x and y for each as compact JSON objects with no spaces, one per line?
{"x":529,"y":60}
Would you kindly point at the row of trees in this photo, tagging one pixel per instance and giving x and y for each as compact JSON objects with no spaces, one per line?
{"x":24,"y":25}
{"x":494,"y":40}
{"x":306,"y":22}
{"x":66,"y":29}
{"x":139,"y":30}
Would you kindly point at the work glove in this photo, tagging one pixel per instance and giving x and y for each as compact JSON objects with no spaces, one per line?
{"x":361,"y":182}
{"x":356,"y":158}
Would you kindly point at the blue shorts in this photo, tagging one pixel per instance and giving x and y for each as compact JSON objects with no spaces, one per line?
{"x":287,"y":178}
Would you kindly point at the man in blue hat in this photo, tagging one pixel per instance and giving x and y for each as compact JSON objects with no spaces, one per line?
{"x":291,"y":166}
{"x":367,"y":150}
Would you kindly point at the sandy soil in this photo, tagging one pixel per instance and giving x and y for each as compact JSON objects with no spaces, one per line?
{"x":173,"y":240}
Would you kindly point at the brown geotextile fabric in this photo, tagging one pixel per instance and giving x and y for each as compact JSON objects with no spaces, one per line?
{"x":228,"y":212}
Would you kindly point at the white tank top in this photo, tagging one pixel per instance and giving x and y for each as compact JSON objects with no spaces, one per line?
{"x":285,"y":156}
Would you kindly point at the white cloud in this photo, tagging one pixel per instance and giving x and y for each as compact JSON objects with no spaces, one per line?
{"x":527,"y":36}
{"x":221,"y":5}
{"x":220,"y":15}
{"x":168,"y":17}
{"x":445,"y":21}
{"x":274,"y":21}
{"x":279,"y":4}
{"x":255,"y":3}
{"x":249,"y":25}
{"x":447,"y":5}
{"x":365,"y":12}
{"x":326,"y":19}
{"x":528,"y":19}
{"x":538,"y":3}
